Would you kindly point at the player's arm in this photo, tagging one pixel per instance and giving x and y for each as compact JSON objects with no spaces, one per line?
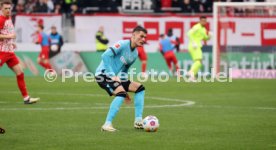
{"x":5,"y":36}
{"x":104,"y":41}
{"x":192,"y":31}
{"x":191,"y":34}
{"x":207,"y":36}
{"x":61,"y":41}
{"x":39,"y":38}
{"x":124,"y":72}
{"x":161,"y":48}
{"x":108,"y":57}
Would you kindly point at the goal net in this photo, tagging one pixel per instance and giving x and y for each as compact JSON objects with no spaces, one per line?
{"x":244,"y":42}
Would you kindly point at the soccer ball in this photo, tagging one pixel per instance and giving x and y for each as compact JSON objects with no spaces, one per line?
{"x":150,"y":123}
{"x":54,"y":47}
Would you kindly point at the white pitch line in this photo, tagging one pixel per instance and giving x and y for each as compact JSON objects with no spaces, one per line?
{"x":234,"y":107}
{"x":182,"y":103}
{"x":186,"y":102}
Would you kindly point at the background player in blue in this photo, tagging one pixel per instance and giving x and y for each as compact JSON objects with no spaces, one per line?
{"x":115,"y":60}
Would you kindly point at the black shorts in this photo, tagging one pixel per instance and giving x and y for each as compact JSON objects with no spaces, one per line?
{"x":109,"y":85}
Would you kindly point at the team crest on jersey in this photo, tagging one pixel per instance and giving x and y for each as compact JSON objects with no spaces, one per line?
{"x":117,"y":45}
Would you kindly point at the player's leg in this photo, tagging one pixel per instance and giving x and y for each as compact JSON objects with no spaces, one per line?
{"x":43,"y":58}
{"x":168,"y":62}
{"x":139,"y":96}
{"x":3,"y":58}
{"x":40,"y":60}
{"x":13,"y":63}
{"x":113,"y":88}
{"x":115,"y":105}
{"x":196,"y":66}
{"x":144,"y":67}
{"x":143,"y":57}
{"x":175,"y":62}
{"x":197,"y":58}
{"x":47,"y":64}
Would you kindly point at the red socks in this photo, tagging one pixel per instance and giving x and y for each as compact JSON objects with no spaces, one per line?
{"x":45,"y":65}
{"x":21,"y":85}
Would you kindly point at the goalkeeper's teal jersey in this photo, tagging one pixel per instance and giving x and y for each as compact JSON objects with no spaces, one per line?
{"x":117,"y":58}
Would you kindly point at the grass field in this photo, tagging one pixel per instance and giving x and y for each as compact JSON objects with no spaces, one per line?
{"x":238,"y":115}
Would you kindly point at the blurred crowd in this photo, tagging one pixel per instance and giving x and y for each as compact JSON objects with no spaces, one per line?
{"x":86,"y":6}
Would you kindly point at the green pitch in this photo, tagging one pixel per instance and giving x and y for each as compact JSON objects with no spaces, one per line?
{"x":237,"y":115}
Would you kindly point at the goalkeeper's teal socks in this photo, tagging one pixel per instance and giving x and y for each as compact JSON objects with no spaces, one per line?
{"x":139,"y":105}
{"x":114,"y":108}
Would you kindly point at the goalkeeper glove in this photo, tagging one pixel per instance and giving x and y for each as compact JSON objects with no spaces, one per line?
{"x":210,"y":34}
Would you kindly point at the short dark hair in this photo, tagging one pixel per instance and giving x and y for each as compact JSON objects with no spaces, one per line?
{"x":139,"y":28}
{"x":202,"y":17}
{"x":5,"y":2}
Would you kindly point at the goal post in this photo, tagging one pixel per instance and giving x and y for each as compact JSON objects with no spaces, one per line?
{"x":244,"y":38}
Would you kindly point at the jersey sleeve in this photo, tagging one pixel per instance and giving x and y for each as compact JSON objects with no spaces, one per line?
{"x":109,"y":55}
{"x":2,"y":22}
{"x":205,"y":35}
{"x":39,"y":38}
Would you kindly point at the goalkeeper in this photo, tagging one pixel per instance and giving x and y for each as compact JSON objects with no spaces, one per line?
{"x":196,"y":34}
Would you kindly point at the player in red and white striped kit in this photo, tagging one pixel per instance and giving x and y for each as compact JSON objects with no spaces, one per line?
{"x":7,"y":47}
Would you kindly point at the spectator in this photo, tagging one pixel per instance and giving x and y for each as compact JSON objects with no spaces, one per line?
{"x":56,"y":42}
{"x":166,"y":3}
{"x":195,"y":4}
{"x":186,"y":6}
{"x":67,"y":5}
{"x":74,"y":9}
{"x":176,"y":3}
{"x":50,"y":5}
{"x":41,"y":7}
{"x":58,"y":9}
{"x":30,"y":6}
{"x":101,"y":40}
{"x":208,"y":6}
{"x":19,"y":7}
